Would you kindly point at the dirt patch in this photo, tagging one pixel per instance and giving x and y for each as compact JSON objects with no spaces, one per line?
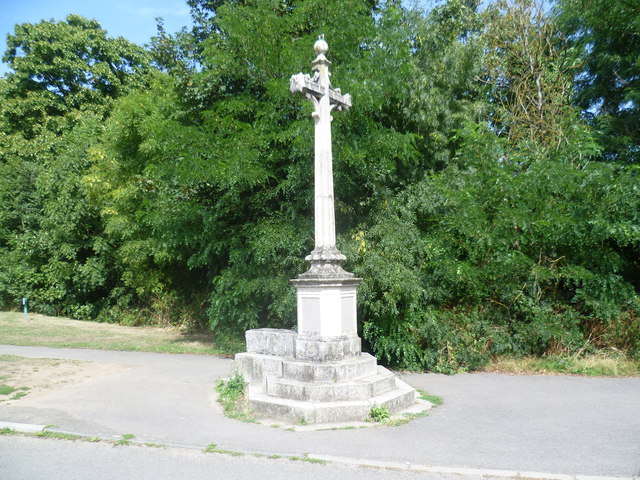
{"x":22,"y":377}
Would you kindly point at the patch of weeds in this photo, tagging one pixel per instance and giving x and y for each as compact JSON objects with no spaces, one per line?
{"x":93,"y":439}
{"x":7,"y":431}
{"x":378,"y":414}
{"x":20,"y":392}
{"x":346,"y":427}
{"x":10,"y":358}
{"x":433,"y":399}
{"x":290,"y":429}
{"x":406,"y":418}
{"x":56,"y":435}
{"x":232,"y":396}
{"x":7,"y":389}
{"x":213,"y":448}
{"x":308,"y":459}
{"x":233,"y":453}
{"x":125,"y":440}
{"x":154,"y":445}
{"x":274,"y":457}
{"x":302,"y":421}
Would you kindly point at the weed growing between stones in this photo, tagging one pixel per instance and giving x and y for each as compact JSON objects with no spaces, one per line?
{"x":213,"y":448}
{"x":125,"y":440}
{"x":433,"y":399}
{"x":306,"y":458}
{"x":232,"y":396}
{"x":378,"y":414}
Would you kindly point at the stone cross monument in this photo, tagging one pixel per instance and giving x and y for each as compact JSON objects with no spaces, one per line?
{"x":318,"y":373}
{"x":326,"y":292}
{"x":325,"y":257}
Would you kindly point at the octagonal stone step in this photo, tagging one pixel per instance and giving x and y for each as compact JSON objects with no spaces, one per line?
{"x":363,"y":365}
{"x":357,"y":389}
{"x":402,"y":396}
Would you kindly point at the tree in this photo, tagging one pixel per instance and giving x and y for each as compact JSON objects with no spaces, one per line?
{"x":529,"y":75}
{"x":604,"y":36}
{"x":518,"y":243}
{"x":65,"y":75}
{"x":62,"y":66}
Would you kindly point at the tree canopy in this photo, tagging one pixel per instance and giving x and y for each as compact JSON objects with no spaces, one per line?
{"x":486,"y":176}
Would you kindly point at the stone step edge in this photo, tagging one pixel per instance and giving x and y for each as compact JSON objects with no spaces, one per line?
{"x":361,"y":388}
{"x":381,"y":372}
{"x":403,"y":396}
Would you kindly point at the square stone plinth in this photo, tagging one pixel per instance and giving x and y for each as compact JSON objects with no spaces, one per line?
{"x":326,"y":307}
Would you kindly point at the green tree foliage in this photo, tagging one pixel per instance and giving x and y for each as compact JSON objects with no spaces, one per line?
{"x":467,"y":197}
{"x":518,"y":244}
{"x":605,"y":36}
{"x":486,"y":257}
{"x":206,"y":180}
{"x":64,"y":76}
{"x":62,"y":66}
{"x":528,"y":76}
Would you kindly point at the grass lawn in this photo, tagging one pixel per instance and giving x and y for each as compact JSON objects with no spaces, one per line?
{"x":41,"y":330}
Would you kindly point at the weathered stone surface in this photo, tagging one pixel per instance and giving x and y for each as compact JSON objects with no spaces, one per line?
{"x":402,"y":396}
{"x":314,"y":388}
{"x":255,"y":366}
{"x":348,"y":369}
{"x":326,"y":307}
{"x":361,"y":389}
{"x":328,"y":349}
{"x":271,"y":341}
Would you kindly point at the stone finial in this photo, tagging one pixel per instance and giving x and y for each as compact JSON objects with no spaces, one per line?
{"x":321,"y":47}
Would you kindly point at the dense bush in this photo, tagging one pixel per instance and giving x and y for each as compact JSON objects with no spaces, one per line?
{"x":484,"y":213}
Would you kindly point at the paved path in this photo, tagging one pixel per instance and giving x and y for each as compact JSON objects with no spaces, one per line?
{"x":515,"y":424}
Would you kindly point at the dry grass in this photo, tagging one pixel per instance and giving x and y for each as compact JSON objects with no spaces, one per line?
{"x":41,"y":330}
{"x":605,"y":364}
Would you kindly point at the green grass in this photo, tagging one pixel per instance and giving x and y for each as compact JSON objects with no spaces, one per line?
{"x":6,"y":389}
{"x":56,"y":435}
{"x":41,"y":330}
{"x":21,"y":394}
{"x":433,"y":399}
{"x":308,"y":459}
{"x":125,"y":440}
{"x":213,"y":448}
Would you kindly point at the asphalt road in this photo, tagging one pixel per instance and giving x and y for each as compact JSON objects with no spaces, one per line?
{"x":531,"y":424}
{"x":26,"y":458}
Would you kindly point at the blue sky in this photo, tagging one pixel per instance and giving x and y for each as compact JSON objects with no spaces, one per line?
{"x":132,"y":19}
